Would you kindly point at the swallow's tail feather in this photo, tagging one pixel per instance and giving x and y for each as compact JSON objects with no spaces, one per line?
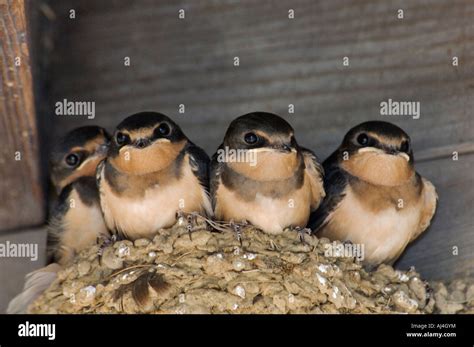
{"x":36,"y":283}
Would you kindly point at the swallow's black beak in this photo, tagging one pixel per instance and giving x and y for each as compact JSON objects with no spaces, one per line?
{"x":102,"y":149}
{"x":391,"y":151}
{"x":142,"y":143}
{"x":285,"y":148}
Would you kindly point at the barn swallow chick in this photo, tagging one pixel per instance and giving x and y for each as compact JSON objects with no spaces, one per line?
{"x":152,"y":172}
{"x":374,"y":195}
{"x":76,"y":221}
{"x":261,"y":175}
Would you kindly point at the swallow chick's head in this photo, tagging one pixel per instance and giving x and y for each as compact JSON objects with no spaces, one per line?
{"x":146,"y":142}
{"x":379,"y":152}
{"x":77,"y":154}
{"x":260,"y":131}
{"x":268,"y":140}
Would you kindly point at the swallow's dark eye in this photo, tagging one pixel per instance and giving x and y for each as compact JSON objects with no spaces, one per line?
{"x":121,"y":138}
{"x":250,"y":138}
{"x":72,"y":160}
{"x":164,"y":129}
{"x":363,"y":139}
{"x":405,"y":146}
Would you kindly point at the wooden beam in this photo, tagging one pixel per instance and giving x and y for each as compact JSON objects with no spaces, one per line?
{"x":21,"y":194}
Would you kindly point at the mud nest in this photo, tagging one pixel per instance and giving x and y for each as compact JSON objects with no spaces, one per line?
{"x":216,"y":272}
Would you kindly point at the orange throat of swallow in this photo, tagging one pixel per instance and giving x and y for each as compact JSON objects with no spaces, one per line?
{"x":154,"y":158}
{"x":379,"y":168}
{"x":263,"y":164}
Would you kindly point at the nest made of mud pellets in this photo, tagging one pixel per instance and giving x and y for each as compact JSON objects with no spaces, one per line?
{"x":213,"y":272}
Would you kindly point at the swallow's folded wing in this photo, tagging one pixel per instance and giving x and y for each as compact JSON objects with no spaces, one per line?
{"x":430,"y":199}
{"x":315,"y":173}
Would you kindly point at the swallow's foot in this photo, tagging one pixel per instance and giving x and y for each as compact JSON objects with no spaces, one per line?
{"x":188,"y":220}
{"x":237,"y":228}
{"x":191,"y":223}
{"x":106,"y":241}
{"x":301,"y":233}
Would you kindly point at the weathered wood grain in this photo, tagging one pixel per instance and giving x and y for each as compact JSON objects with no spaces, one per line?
{"x":282,"y":61}
{"x":21,"y":195}
{"x":445,"y":151}
{"x":453,"y":226}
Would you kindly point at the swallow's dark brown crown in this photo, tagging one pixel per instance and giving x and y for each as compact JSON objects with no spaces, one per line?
{"x":141,"y":127}
{"x":383,"y":135}
{"x":76,"y":138}
{"x":268,"y":123}
{"x":144,"y":120}
{"x":384,"y":129}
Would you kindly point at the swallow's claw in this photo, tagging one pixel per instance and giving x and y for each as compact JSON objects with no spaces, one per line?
{"x":237,"y":230}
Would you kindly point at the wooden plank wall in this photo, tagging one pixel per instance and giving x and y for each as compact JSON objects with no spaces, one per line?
{"x":287,"y":61}
{"x":21,"y":192}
